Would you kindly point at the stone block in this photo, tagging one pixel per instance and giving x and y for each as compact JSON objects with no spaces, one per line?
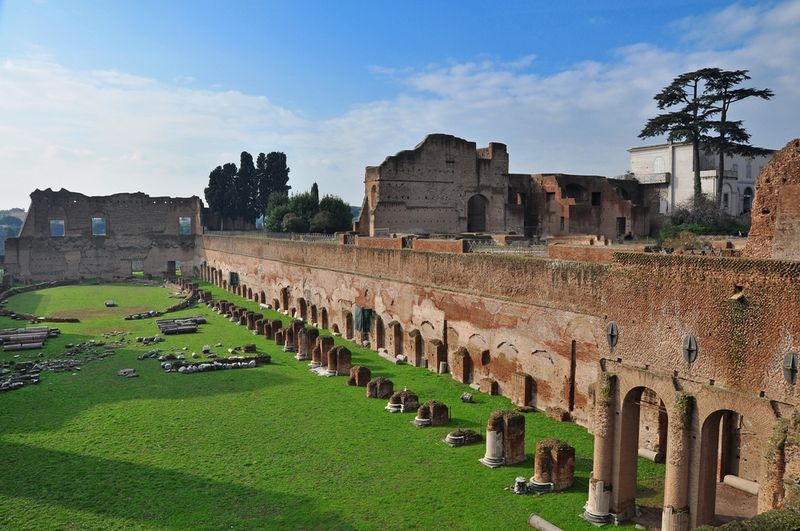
{"x":359,"y":376}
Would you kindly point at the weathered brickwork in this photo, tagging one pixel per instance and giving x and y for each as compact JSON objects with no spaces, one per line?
{"x":141,"y":233}
{"x":776,"y":211}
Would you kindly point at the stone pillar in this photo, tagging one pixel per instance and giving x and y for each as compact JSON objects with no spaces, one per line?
{"x":514,"y":437}
{"x":359,"y":376}
{"x":521,"y":389}
{"x":597,"y":507}
{"x":289,"y":343}
{"x":303,"y":346}
{"x":675,"y":516}
{"x":494,"y":448}
{"x":259,"y":327}
{"x":554,"y":466}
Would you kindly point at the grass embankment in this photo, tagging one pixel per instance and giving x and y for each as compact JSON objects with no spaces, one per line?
{"x":273,"y":447}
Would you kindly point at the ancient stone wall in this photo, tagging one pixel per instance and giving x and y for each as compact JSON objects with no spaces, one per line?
{"x":508,"y":326}
{"x":141,"y":233}
{"x":775,"y":232}
{"x":429,"y":189}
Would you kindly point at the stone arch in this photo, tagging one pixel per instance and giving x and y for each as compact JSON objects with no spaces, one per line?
{"x":323,"y":317}
{"x":262,"y":297}
{"x":629,"y":441}
{"x":303,"y":305}
{"x":276,"y":305}
{"x":314,"y":314}
{"x":721,"y":456}
{"x":427,"y":330}
{"x":373,"y":196}
{"x":250,"y":293}
{"x":477,"y":207}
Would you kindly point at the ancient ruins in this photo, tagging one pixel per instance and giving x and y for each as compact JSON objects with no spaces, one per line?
{"x":686,"y":359}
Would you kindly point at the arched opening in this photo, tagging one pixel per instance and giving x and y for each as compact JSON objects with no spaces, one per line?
{"x":476,"y":213}
{"x":576,"y":192}
{"x":721,"y":455}
{"x":301,"y":302}
{"x":262,"y":298}
{"x":397,"y":339}
{"x":642,"y":411}
{"x":285,"y":298}
{"x":323,"y":318}
{"x":747,"y":200}
{"x":418,"y":348}
{"x":314,"y":314}
{"x":348,"y":325}
{"x":380,"y":341}
{"x":462,"y":366}
{"x":276,"y":305}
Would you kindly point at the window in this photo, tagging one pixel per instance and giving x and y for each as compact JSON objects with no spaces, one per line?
{"x":658,"y":165}
{"x":98,"y":226}
{"x":550,"y":196}
{"x":561,"y":224}
{"x":725,"y":200}
{"x":184,"y":226}
{"x":596,"y":198}
{"x":57,"y":228}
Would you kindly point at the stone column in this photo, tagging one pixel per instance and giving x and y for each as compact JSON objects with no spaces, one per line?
{"x":675,"y":516}
{"x":597,"y":507}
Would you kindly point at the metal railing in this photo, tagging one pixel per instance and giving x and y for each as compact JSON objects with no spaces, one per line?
{"x":491,"y":246}
{"x":293,"y":236}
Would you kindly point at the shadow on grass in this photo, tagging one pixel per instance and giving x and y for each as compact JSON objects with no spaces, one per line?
{"x":63,"y":396}
{"x":149,"y":495}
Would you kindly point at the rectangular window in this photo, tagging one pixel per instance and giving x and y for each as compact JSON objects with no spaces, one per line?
{"x":520,"y":199}
{"x":98,"y":226}
{"x":596,"y":198}
{"x":184,"y":226}
{"x":57,"y":228}
{"x":550,"y":196}
{"x":561,"y":225}
{"x":725,"y":200}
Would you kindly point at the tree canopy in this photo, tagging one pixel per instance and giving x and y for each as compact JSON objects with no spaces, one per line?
{"x":245,"y":192}
{"x":305,"y":212}
{"x":698,"y":103}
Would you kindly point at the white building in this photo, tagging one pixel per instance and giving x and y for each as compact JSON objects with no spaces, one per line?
{"x":671,"y":166}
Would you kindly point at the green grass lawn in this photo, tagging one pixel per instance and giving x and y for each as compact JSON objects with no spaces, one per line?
{"x":272,"y":447}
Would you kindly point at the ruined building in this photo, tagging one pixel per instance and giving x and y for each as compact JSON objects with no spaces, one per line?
{"x":446,"y":185}
{"x":689,"y":360}
{"x":68,"y":235}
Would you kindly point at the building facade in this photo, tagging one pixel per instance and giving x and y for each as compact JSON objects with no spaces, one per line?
{"x":668,"y":167}
{"x":68,"y":236}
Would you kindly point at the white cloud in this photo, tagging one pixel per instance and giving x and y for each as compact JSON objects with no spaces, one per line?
{"x":105,"y":132}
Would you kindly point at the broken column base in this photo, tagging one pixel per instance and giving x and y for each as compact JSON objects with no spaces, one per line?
{"x":539,"y":488}
{"x":597,"y":506}
{"x":393,"y":408}
{"x":419,"y":423}
{"x":674,"y":520}
{"x":301,"y":357}
{"x":314,"y":365}
{"x":289,"y":349}
{"x":492,"y":462}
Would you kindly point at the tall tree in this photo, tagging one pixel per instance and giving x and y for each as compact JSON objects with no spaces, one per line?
{"x":231,"y":197}
{"x":277,"y":172}
{"x":315,"y":192}
{"x":690,"y":118}
{"x":215,"y":192}
{"x":731,"y":138}
{"x":247,"y":187}
{"x":264,"y":190}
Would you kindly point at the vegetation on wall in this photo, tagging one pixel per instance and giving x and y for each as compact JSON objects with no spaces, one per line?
{"x":696,"y":217}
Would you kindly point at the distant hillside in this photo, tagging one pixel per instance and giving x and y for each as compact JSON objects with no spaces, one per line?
{"x":10,"y":223}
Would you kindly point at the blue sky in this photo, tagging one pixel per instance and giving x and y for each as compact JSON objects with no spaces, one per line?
{"x":101,"y":97}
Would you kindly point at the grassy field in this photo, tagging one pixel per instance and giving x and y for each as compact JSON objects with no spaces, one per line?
{"x":272,"y":447}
